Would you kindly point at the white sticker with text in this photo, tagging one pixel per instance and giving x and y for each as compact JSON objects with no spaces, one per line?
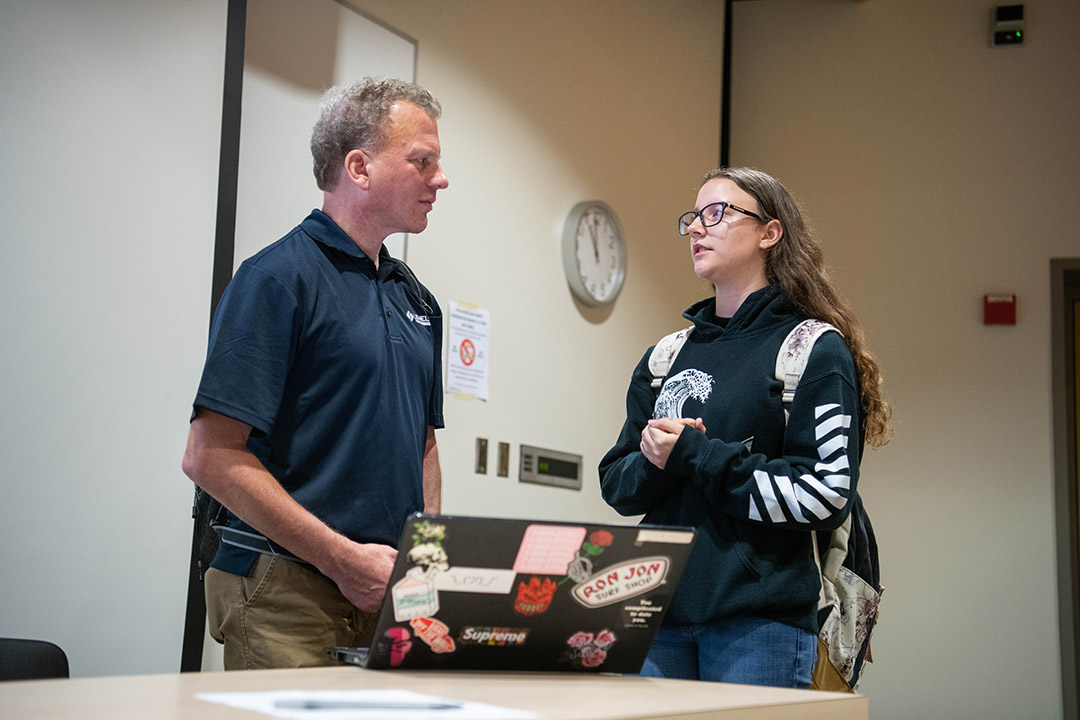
{"x":623,"y":581}
{"x":476,"y":580}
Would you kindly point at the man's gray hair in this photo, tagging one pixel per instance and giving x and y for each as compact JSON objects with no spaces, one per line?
{"x":355,"y":116}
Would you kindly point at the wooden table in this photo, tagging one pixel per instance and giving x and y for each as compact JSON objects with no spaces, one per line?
{"x":550,"y":696}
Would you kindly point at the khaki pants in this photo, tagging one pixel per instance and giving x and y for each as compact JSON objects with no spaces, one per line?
{"x":284,"y":615}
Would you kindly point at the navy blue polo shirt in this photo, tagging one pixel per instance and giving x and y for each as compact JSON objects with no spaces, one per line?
{"x":336,"y":365}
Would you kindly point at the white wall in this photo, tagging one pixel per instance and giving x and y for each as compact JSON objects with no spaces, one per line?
{"x":545,"y":105}
{"x":110,"y":124}
{"x":110,"y":143}
{"x":293,"y":52}
{"x":937,"y":169}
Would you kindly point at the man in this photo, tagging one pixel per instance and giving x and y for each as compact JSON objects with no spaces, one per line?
{"x":314,"y":422}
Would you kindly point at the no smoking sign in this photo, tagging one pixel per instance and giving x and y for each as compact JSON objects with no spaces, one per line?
{"x":467,"y":351}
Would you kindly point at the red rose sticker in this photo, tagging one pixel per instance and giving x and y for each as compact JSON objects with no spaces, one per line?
{"x":601,"y":538}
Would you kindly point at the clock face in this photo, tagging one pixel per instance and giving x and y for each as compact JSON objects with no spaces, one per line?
{"x":594,"y":253}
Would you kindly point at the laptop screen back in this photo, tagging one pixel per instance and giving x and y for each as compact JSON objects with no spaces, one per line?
{"x":497,"y":594}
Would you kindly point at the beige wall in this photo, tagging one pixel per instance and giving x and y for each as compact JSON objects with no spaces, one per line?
{"x":109,"y":135}
{"x":937,"y":169}
{"x":545,"y":105}
{"x":109,"y":170}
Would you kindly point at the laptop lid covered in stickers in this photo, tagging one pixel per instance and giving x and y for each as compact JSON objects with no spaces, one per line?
{"x":473,"y":593}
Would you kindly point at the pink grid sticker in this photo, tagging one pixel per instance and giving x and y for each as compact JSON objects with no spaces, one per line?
{"x":548,"y":549}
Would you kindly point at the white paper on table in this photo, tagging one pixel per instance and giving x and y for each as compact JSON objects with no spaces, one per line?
{"x":363,"y":705}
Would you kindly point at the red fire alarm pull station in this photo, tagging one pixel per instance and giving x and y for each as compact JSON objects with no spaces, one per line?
{"x":999,"y":309}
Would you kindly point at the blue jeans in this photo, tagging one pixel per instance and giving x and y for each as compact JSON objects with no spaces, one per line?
{"x":748,"y":651}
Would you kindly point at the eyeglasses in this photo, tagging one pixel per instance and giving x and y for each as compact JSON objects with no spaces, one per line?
{"x":710,"y":215}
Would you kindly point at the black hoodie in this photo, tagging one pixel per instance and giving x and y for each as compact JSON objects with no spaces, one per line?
{"x":753,"y":487}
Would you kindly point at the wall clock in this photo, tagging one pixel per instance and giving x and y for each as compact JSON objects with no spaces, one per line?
{"x":594,"y":253}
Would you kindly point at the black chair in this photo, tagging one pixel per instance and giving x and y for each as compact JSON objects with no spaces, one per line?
{"x":31,"y":660}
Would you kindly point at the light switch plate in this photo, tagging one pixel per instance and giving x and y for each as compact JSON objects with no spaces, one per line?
{"x":504,"y":460}
{"x":481,"y":455}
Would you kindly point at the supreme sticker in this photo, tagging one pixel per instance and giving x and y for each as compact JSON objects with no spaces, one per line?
{"x":623,"y":581}
{"x":493,"y":636}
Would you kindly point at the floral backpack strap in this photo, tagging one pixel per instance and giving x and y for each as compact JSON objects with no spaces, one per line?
{"x":793,"y":355}
{"x":664,"y":354}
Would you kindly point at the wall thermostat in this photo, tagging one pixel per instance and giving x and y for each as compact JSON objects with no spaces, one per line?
{"x":549,"y":467}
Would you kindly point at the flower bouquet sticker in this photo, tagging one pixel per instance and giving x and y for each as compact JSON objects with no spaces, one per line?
{"x":588,"y":650}
{"x":427,"y":551}
{"x":415,"y":595}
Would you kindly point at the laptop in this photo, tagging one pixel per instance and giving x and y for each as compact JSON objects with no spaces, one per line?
{"x":472,"y":593}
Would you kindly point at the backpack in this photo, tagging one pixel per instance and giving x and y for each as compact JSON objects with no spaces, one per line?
{"x":208,"y":513}
{"x":847,"y":557}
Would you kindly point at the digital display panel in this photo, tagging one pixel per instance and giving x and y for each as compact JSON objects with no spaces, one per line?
{"x":550,"y":467}
{"x":558,"y":468}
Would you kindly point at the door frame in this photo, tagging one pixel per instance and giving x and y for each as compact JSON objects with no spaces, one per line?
{"x":1064,"y":294}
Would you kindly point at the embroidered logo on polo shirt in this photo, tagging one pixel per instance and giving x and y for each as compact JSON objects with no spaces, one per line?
{"x":421,"y":319}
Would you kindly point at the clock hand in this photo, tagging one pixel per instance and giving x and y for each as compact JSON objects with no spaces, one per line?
{"x":595,"y":246}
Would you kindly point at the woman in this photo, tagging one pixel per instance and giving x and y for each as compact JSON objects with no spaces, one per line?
{"x":725,"y":461}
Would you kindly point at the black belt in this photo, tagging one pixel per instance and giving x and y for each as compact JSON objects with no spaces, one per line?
{"x":254,"y":541}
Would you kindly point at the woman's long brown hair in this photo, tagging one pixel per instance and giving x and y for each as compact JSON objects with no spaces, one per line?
{"x":797,"y":265}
